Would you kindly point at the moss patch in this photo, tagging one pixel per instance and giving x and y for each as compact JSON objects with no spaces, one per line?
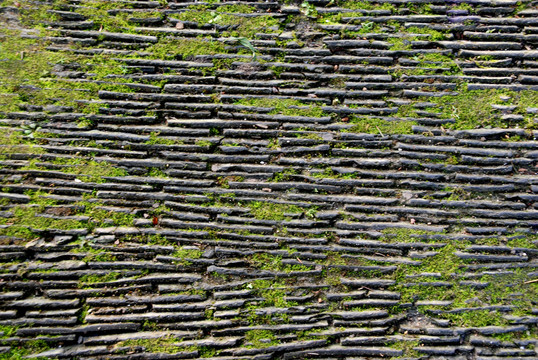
{"x":380,"y":126}
{"x":20,"y":350}
{"x":168,"y":345}
{"x":272,"y":211}
{"x":264,"y":261}
{"x":472,"y":109}
{"x":87,"y":170}
{"x":260,"y":339}
{"x":88,"y":280}
{"x":229,"y":15}
{"x":287,"y":107}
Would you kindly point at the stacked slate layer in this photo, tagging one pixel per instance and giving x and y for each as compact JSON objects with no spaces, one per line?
{"x":234,"y":229}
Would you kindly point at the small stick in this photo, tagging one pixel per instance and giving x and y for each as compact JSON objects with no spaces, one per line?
{"x":531,"y":281}
{"x":379,"y":130}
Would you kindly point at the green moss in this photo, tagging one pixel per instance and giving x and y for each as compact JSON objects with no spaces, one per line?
{"x":406,"y":111}
{"x":100,"y":215}
{"x":366,"y":5}
{"x":87,"y":280}
{"x":27,"y":217}
{"x":87,"y":170}
{"x":286,"y":175}
{"x":260,"y":339}
{"x":457,"y":194}
{"x":407,"y":346}
{"x":204,"y":143}
{"x":434,"y":34}
{"x":513,"y":289}
{"x":27,"y":61}
{"x":515,"y":335}
{"x":155,"y":172}
{"x":172,"y":49}
{"x":20,"y":350}
{"x":463,"y":6}
{"x":330,"y":174}
{"x":430,"y":64}
{"x":24,"y":62}
{"x":229,"y":15}
{"x":154,"y":139}
{"x":286,"y":107}
{"x":516,"y":289}
{"x":103,"y":18}
{"x":472,"y":109}
{"x":478,"y":318}
{"x":272,"y":211}
{"x":83,"y":313}
{"x":46,"y":271}
{"x":265,"y":261}
{"x":183,"y":253}
{"x":32,"y":14}
{"x":302,"y":135}
{"x":529,"y":241}
{"x":335,"y":259}
{"x":206,"y":352}
{"x":404,"y":235}
{"x":168,"y":345}
{"x":376,"y":126}
{"x":273,"y":292}
{"x":445,"y":262}
{"x":419,"y":9}
{"x":11,"y":142}
{"x":98,"y":255}
{"x":237,"y":8}
{"x":399,"y":44}
{"x":8,"y":331}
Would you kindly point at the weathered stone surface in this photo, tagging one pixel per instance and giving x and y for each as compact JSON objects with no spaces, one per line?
{"x":320,"y":195}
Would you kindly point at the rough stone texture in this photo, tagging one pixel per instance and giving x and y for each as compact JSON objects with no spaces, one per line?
{"x":246,"y":231}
